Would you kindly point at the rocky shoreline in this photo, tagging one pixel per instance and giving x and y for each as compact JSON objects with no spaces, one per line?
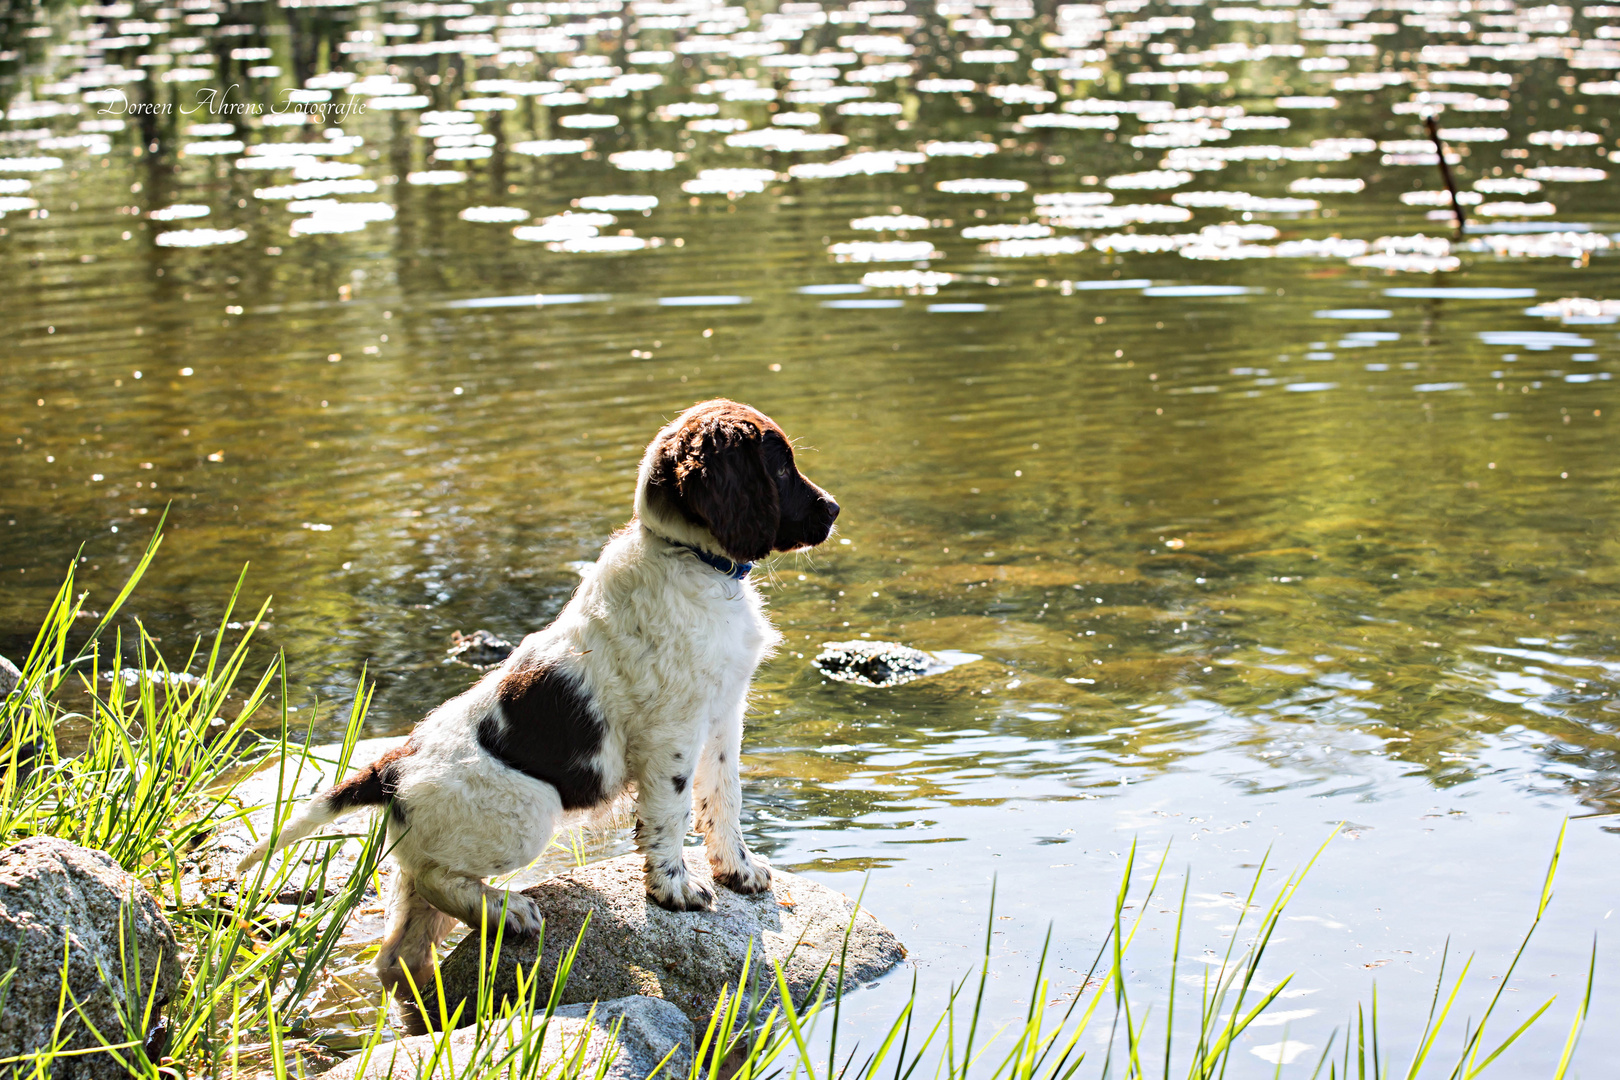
{"x":651,"y":972}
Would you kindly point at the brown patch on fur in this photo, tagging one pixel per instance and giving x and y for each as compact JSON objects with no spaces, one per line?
{"x":374,"y":785}
{"x":546,"y":730}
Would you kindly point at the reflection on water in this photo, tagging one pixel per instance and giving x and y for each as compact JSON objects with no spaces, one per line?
{"x":1124,"y":382}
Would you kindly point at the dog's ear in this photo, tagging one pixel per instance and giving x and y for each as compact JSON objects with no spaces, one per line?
{"x":722,"y":478}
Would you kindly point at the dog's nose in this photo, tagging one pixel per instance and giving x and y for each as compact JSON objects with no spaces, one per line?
{"x":832,"y":509}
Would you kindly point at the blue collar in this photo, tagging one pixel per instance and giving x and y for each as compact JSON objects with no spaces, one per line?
{"x":734,"y":570}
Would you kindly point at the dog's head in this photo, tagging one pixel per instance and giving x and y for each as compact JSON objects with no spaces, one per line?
{"x":721,"y":478}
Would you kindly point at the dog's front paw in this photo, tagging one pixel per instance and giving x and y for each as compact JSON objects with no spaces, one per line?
{"x":523,"y":916}
{"x":679,"y":893}
{"x":748,"y":873}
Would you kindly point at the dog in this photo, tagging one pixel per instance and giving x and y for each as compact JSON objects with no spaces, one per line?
{"x":640,"y":683}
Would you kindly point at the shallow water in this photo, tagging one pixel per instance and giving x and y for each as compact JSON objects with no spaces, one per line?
{"x":1249,"y":547}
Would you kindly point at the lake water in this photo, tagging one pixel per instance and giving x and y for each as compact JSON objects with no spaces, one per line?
{"x":1254,"y":531}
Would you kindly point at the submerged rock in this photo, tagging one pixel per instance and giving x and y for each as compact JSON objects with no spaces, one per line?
{"x":635,"y":947}
{"x":651,"y":1029}
{"x":479,"y":649}
{"x":133,"y":676}
{"x":875,"y":663}
{"x":55,"y":894}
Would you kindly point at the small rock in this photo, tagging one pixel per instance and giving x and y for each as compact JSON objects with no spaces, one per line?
{"x":479,"y":649}
{"x":9,"y":677}
{"x":29,"y":751}
{"x":635,"y":947}
{"x":51,"y":890}
{"x":650,"y":1030}
{"x":875,"y":663}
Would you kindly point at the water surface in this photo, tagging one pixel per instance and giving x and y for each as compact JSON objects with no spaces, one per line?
{"x":1250,"y":545}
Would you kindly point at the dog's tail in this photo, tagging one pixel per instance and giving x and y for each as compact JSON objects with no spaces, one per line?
{"x":374,"y":785}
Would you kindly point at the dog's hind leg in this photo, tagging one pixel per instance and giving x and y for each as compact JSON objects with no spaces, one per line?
{"x":467,"y":898}
{"x":413,"y":928}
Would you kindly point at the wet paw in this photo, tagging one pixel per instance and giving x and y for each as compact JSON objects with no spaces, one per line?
{"x":680,"y":894}
{"x":752,"y":874}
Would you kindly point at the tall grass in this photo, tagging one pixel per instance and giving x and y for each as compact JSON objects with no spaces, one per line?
{"x":141,"y":773}
{"x":147,"y":771}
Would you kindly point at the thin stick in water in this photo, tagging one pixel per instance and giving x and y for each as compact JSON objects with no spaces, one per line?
{"x":1445,"y":171}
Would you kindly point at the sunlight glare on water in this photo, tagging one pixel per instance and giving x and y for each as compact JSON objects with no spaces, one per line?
{"x":1249,"y":498}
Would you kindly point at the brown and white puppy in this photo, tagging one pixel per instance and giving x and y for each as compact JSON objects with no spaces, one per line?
{"x":641,"y":682}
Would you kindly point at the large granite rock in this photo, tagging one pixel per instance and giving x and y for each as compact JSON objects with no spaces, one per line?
{"x":650,"y":1030}
{"x":9,"y":677}
{"x":54,"y":893}
{"x":633,"y":946}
